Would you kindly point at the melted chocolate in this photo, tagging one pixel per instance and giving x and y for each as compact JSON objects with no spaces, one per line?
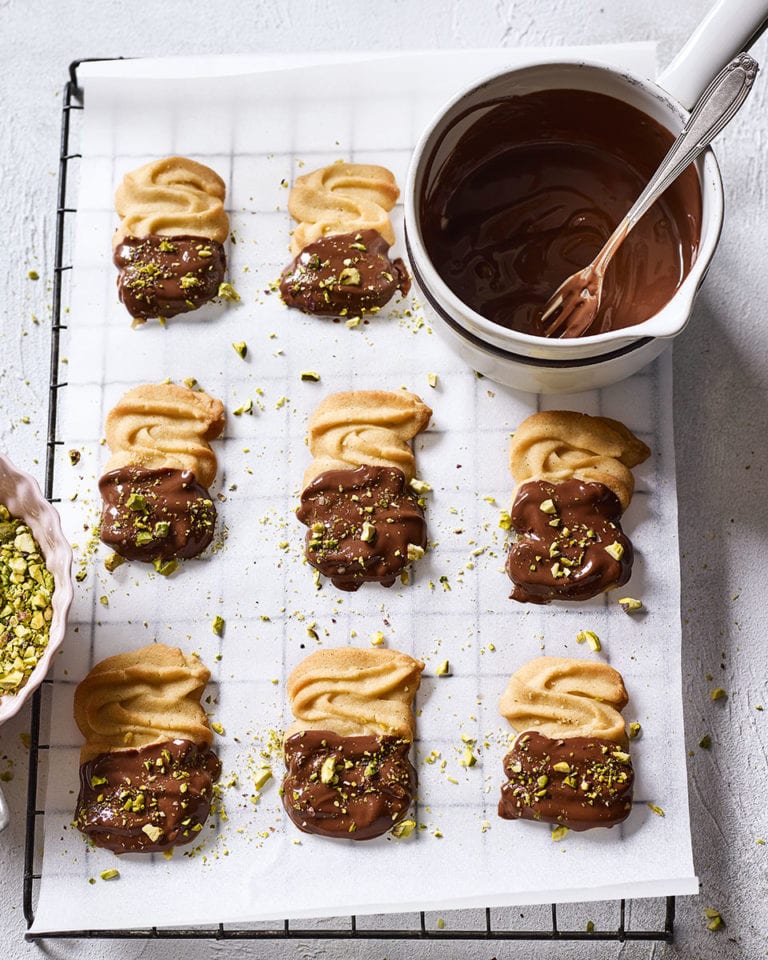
{"x":533,"y":189}
{"x":562,"y":555}
{"x":353,"y":787}
{"x":347,"y":274}
{"x":337,"y":505}
{"x":592,"y":786}
{"x":149,"y":799}
{"x":155,"y":514}
{"x":165,"y":276}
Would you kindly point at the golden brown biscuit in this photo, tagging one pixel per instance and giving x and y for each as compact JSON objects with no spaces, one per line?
{"x":352,"y":691}
{"x":565,"y":697}
{"x":142,"y":697}
{"x":342,"y":198}
{"x":171,"y":197}
{"x":165,"y":425}
{"x":362,"y":427}
{"x":560,"y":445}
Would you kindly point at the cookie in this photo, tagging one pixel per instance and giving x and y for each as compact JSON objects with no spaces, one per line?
{"x":341,"y":265}
{"x":156,"y":503}
{"x":360,"y":499}
{"x":569,"y":764}
{"x":574,"y":476}
{"x":146,"y":768}
{"x":169,"y":246}
{"x":346,"y":755}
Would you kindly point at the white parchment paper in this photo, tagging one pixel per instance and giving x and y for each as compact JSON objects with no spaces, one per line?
{"x":258,"y":126}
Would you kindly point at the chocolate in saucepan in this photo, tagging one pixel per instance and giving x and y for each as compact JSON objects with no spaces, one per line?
{"x":531,"y":192}
{"x":579,"y":782}
{"x":356,"y":787}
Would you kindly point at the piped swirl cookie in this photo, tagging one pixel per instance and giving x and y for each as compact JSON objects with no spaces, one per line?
{"x":361,"y":498}
{"x":157,"y":506}
{"x":574,"y":476}
{"x":346,"y":755}
{"x":146,"y":767}
{"x":341,"y":265}
{"x":169,"y":246}
{"x":569,"y":764}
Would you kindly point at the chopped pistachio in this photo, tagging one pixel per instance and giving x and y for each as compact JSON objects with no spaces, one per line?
{"x":634,"y":730}
{"x":548,"y":506}
{"x":542,"y":781}
{"x":467,"y":759}
{"x":136,"y":502}
{"x":154,"y":833}
{"x":190,"y":382}
{"x":419,"y":486}
{"x":312,"y":376}
{"x":218,"y":625}
{"x":561,"y":767}
{"x":328,"y":770}
{"x":33,"y":275}
{"x":717,"y":694}
{"x":111,"y":874}
{"x":505,"y":520}
{"x":368,"y":533}
{"x":228,"y":292}
{"x":559,"y":833}
{"x":415,"y":552}
{"x":113,"y":561}
{"x":440,"y":923}
{"x":590,"y":927}
{"x":262,"y":777}
{"x":615,"y":549}
{"x":218,"y":728}
{"x":165,"y":567}
{"x":630,"y":605}
{"x":706,"y":742}
{"x":104,"y":600}
{"x":352,"y":322}
{"x":657,"y":810}
{"x":377,"y":639}
{"x":403,"y":829}
{"x":443,"y":669}
{"x":715,"y":921}
{"x":432,"y":379}
{"x":591,"y":638}
{"x":350,"y":277}
{"x":240,"y":348}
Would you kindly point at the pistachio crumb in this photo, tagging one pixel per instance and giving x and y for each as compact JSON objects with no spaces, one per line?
{"x":615,"y":549}
{"x":443,"y":669}
{"x":717,"y":694}
{"x":630,"y":605}
{"x":218,"y":625}
{"x":656,"y":809}
{"x":241,"y":348}
{"x":403,"y":829}
{"x":559,"y":833}
{"x":432,"y":379}
{"x":111,"y":874}
{"x":377,"y":639}
{"x":311,"y":376}
{"x":227,"y":292}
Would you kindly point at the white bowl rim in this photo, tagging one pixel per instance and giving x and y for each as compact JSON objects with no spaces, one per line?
{"x":681,"y":303}
{"x":21,"y":494}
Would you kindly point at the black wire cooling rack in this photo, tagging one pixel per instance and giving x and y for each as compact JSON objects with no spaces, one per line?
{"x":485,"y":926}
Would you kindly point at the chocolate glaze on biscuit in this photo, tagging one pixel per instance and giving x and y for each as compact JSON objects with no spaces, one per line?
{"x":344,"y":275}
{"x":579,"y":782}
{"x":147,"y":800}
{"x":573,"y":549}
{"x":361,"y":523}
{"x":355,"y":787}
{"x":165,"y":276}
{"x":155,"y":514}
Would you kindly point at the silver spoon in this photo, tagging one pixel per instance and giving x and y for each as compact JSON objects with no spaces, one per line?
{"x":572,"y":308}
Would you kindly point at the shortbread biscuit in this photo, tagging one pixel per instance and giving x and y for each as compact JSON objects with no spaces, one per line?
{"x":347,"y":769}
{"x":342,"y":198}
{"x":146,"y":768}
{"x":172,"y":197}
{"x":360,"y":501}
{"x":569,"y":764}
{"x":165,"y":425}
{"x":560,"y":445}
{"x":169,"y":246}
{"x":352,"y":691}
{"x":566,"y":697}
{"x":574,"y":476}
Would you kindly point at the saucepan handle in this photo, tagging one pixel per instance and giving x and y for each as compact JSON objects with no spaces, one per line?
{"x":729,"y":27}
{"x":4,"y":814}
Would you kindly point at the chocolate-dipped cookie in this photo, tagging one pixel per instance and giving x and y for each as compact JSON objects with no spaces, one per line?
{"x":341,"y":265}
{"x":360,"y":499}
{"x":169,"y":247}
{"x":146,"y":768}
{"x":569,"y":764}
{"x":348,"y":774}
{"x":574,"y":483}
{"x":156,"y":504}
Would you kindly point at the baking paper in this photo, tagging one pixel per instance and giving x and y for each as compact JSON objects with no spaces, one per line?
{"x":259,"y":127}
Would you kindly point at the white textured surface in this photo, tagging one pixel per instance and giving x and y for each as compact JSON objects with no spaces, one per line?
{"x":720,"y":406}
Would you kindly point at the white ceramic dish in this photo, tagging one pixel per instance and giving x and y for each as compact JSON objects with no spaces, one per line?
{"x":538,"y":364}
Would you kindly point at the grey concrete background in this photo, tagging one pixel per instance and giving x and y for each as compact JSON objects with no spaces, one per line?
{"x":720,"y":408}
